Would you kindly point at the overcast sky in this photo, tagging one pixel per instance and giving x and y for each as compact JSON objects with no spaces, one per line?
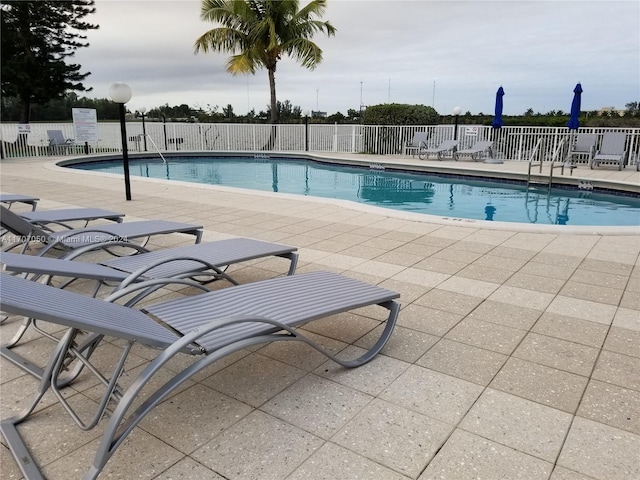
{"x":439,"y":53}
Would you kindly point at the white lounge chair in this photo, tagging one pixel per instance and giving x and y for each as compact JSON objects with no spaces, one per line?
{"x":448,"y":147}
{"x":612,"y":150}
{"x":476,"y":151}
{"x":584,"y":147}
{"x":419,"y":141}
{"x":57,"y":142}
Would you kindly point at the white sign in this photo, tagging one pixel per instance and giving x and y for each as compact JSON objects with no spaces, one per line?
{"x":471,"y":131}
{"x":24,"y":128}
{"x":85,"y":125}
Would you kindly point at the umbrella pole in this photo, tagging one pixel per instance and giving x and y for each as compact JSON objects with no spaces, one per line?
{"x":492,"y":159}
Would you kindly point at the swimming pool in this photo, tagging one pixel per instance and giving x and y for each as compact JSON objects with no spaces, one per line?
{"x":445,"y":196}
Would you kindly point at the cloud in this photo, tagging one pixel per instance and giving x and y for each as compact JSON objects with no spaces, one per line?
{"x":385,"y":51}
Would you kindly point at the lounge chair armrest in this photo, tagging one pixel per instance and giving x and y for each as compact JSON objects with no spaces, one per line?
{"x":149,"y":286}
{"x":44,"y":224}
{"x":164,"y":261}
{"x":104,"y":246}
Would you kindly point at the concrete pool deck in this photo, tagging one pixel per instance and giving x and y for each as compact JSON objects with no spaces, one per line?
{"x":516,"y":355}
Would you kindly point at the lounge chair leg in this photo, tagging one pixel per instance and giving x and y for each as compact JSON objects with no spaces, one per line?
{"x":18,"y":335}
{"x":294,"y":263}
{"x":21,"y":362}
{"x":24,"y":459}
{"x":15,"y":442}
{"x":118,"y":429}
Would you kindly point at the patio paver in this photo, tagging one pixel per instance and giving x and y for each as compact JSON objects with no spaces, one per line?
{"x":516,"y":353}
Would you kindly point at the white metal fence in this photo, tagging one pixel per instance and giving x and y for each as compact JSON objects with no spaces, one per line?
{"x":510,"y":143}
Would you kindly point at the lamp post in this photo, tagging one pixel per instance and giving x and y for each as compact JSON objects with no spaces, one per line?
{"x":121,"y":94}
{"x":306,"y":131}
{"x":456,"y":111}
{"x":144,"y":131}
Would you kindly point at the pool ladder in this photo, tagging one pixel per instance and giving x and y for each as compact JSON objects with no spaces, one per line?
{"x":164,"y":160}
{"x":537,"y":157}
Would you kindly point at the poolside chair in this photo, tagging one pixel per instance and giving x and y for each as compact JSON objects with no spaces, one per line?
{"x":201,"y":259}
{"x":477,"y":151}
{"x":101,"y":236}
{"x":448,"y":147}
{"x":63,"y":215}
{"x":206,"y":261}
{"x":11,"y":198}
{"x":211,"y":326}
{"x":419,"y":141}
{"x":612,"y":150}
{"x":57,"y":142}
{"x":584,"y":147}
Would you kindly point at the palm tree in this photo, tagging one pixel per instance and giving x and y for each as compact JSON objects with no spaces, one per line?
{"x":257,"y":33}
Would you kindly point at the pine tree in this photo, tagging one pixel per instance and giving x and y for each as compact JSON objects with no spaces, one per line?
{"x":38,"y":37}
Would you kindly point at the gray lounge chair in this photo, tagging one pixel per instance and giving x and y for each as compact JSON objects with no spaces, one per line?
{"x":206,"y":261}
{"x":584,"y":147}
{"x":418,"y":142}
{"x":448,"y":147}
{"x":612,"y":150}
{"x":57,"y":142}
{"x":11,"y":198}
{"x":476,"y":151}
{"x":211,"y":325}
{"x":105,"y":235}
{"x":62,"y":216}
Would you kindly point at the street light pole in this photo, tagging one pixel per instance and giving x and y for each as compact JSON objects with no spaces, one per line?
{"x":456,"y":111}
{"x":306,"y":131}
{"x":144,"y":131}
{"x":121,"y":94}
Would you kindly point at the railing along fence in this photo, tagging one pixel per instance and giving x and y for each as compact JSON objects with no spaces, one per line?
{"x":510,"y":143}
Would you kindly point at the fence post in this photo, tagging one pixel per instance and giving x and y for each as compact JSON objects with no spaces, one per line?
{"x":353,"y":139}
{"x":164,"y":130}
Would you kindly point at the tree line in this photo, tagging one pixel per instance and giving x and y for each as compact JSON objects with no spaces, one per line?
{"x":59,"y":110}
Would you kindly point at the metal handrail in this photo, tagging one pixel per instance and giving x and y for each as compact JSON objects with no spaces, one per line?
{"x":557,"y":153}
{"x":532,"y":157}
{"x":164,"y":160}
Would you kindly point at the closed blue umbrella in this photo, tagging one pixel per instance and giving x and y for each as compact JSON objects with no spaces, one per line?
{"x":497,"y":120}
{"x":574,"y":123}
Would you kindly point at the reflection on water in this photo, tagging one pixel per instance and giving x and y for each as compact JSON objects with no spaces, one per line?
{"x":448,"y":197}
{"x":489,"y":212}
{"x":394,"y":191}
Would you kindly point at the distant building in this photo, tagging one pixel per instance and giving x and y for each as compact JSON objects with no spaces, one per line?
{"x":610,"y":111}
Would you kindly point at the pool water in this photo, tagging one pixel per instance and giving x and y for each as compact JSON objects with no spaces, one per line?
{"x":457,"y":197}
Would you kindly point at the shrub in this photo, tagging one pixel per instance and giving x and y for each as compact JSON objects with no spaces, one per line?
{"x":400,"y":114}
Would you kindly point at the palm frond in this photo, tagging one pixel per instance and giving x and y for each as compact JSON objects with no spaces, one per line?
{"x":242,"y":63}
{"x":304,"y":51}
{"x":225,"y":40}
